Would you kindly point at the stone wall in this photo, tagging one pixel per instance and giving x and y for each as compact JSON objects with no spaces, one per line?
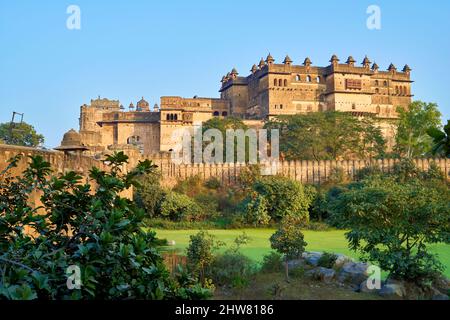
{"x":308,"y":172}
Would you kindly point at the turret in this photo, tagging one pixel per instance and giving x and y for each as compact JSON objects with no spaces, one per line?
{"x":234,"y":73}
{"x":254,"y":69}
{"x":375,"y":67}
{"x":366,"y":62}
{"x":350,"y":61}
{"x":270,"y":59}
{"x":307,"y":62}
{"x":406,"y":69}
{"x":287,"y":60}
{"x":262,"y":63}
{"x":334,"y":60}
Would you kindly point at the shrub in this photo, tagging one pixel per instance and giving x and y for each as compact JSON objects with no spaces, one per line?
{"x":272,"y":262}
{"x":232,"y":268}
{"x":191,"y":186}
{"x":392,"y":223}
{"x":116,"y":258}
{"x":213,"y":183}
{"x":200,"y":253}
{"x":255,"y":210}
{"x":283,"y":197}
{"x":327,"y":260}
{"x":297,"y":272}
{"x":179,"y":207}
{"x":288,"y":240}
{"x":149,"y":193}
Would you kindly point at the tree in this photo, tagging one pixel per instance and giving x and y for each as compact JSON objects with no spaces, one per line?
{"x":441,"y":140}
{"x":393,"y":221}
{"x":412,"y":139}
{"x":78,"y":227}
{"x":288,"y":240}
{"x":224,"y":124}
{"x":21,"y":134}
{"x":328,"y":135}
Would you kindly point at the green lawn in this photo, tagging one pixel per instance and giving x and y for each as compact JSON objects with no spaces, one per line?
{"x":332,"y":241}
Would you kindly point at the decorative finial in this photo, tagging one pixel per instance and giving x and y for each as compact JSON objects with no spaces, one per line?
{"x":392,"y":68}
{"x":366,"y":62}
{"x":270,"y":59}
{"x":307,"y":62}
{"x":350,"y":61}
{"x":254,"y":69}
{"x":406,"y":69}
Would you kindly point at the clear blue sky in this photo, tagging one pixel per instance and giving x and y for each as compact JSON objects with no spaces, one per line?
{"x":129,"y":49}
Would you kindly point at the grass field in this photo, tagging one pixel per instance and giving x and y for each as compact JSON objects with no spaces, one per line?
{"x":331,"y":241}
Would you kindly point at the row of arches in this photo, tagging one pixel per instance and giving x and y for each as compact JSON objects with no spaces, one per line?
{"x":172,"y":117}
{"x":217,"y":113}
{"x":377,"y":83}
{"x":401,"y":90}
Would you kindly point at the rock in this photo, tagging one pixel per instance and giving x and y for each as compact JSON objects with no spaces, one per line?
{"x":393,"y":290}
{"x":341,"y":260}
{"x":292,"y":264}
{"x":312,"y":258}
{"x":321,"y":274}
{"x":353,"y":272}
{"x":440,"y":296}
{"x":365,"y":289}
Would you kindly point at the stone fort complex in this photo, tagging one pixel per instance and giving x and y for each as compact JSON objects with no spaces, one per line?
{"x":271,"y":89}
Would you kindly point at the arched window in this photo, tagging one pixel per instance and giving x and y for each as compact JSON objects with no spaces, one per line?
{"x":281,"y":106}
{"x":385,"y":84}
{"x":175,"y":117}
{"x":133,"y":140}
{"x":224,"y":114}
{"x":285,"y":82}
{"x":216,"y":113}
{"x":308,"y":79}
{"x":377,"y":83}
{"x":377,"y":91}
{"x":297,"y":78}
{"x":396,"y":90}
{"x":318,"y":79}
{"x":276,"y":106}
{"x":405,"y":91}
{"x":168,"y":117}
{"x":353,"y":106}
{"x":275,"y":82}
{"x":280,"y":82}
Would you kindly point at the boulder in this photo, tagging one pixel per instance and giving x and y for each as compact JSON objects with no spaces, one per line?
{"x":341,"y":260}
{"x":353,"y":273}
{"x":292,"y":264}
{"x":312,"y":258}
{"x":393,"y":290}
{"x":321,"y":274}
{"x":365,"y":289}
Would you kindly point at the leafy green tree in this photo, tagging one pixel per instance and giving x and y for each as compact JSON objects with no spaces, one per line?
{"x":179,"y":207}
{"x":21,"y":134}
{"x":288,"y":240}
{"x":200,"y":253}
{"x":275,"y":197}
{"x":412,"y":139}
{"x":224,"y":124}
{"x":393,"y":222}
{"x":80,"y":226}
{"x":441,"y":140}
{"x":328,"y":135}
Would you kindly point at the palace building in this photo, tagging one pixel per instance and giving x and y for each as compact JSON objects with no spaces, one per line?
{"x":270,"y":89}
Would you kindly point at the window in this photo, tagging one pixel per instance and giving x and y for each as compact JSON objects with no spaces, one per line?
{"x":377,"y":91}
{"x":175,"y":117}
{"x":285,"y":82}
{"x":168,"y":117}
{"x":308,"y":79}
{"x":318,"y":79}
{"x":297,"y":78}
{"x":216,"y":113}
{"x":224,"y":114}
{"x":385,"y":83}
{"x":377,"y":83}
{"x":281,"y":106}
{"x":275,"y":82}
{"x":280,"y":83}
{"x":396,"y":90}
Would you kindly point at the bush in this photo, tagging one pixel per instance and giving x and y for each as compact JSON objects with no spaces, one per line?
{"x":327,"y":260}
{"x":282,"y":197}
{"x":232,"y":268}
{"x":272,"y":262}
{"x":149,"y":192}
{"x":94,"y":229}
{"x":392,"y":223}
{"x":255,"y":210}
{"x":213,"y":183}
{"x":179,"y":207}
{"x":297,"y":272}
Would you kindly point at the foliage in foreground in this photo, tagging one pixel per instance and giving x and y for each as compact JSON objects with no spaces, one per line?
{"x":77,"y":226}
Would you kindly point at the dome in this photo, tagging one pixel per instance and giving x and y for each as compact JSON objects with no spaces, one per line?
{"x":71,"y":142}
{"x":143,"y":104}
